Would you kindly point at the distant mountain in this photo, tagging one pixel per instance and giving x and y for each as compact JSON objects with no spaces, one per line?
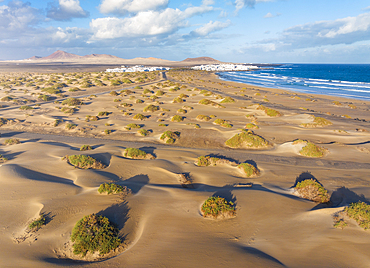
{"x":201,"y":59}
{"x":61,"y":55}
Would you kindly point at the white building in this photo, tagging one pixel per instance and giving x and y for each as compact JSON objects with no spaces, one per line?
{"x":137,"y":68}
{"x":225,"y":67}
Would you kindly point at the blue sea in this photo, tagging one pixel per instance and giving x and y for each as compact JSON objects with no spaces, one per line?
{"x":342,"y":80}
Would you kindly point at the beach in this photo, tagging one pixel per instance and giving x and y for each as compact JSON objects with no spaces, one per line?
{"x":160,"y":222}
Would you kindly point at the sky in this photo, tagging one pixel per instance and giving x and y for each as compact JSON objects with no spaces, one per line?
{"x":243,"y":31}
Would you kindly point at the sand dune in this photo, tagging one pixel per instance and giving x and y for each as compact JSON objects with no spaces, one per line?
{"x":160,"y":222}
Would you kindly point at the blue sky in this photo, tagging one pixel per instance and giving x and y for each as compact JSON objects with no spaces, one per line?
{"x":260,"y":31}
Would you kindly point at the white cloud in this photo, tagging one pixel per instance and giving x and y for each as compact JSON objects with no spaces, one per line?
{"x":66,"y":10}
{"x":17,"y":17}
{"x":269,"y":15}
{"x":210,"y":27}
{"x":143,"y":24}
{"x":121,"y":7}
{"x":239,"y":4}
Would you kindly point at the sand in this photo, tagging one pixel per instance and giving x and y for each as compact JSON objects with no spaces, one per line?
{"x":160,"y":222}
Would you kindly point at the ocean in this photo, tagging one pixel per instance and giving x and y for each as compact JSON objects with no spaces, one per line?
{"x":342,"y":80}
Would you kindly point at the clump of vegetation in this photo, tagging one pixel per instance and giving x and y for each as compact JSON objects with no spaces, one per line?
{"x":151,"y":108}
{"x":268,"y":111}
{"x":7,"y":98}
{"x":94,"y":233}
{"x":107,"y":131}
{"x":57,"y":122}
{"x":36,"y":224}
{"x":247,"y":139}
{"x":72,"y":102}
{"x":310,"y":149}
{"x":139,"y":117}
{"x":251,"y":126}
{"x":337,"y":103}
{"x":218,"y":207}
{"x":177,"y":118}
{"x":317,"y":122}
{"x":26,"y":107}
{"x":222,"y":123}
{"x":360,"y":212}
{"x":111,"y":188}
{"x":11,"y":141}
{"x":84,"y":162}
{"x":113,"y":93}
{"x":159,"y":93}
{"x":85,"y":148}
{"x":135,"y":153}
{"x":209,"y":102}
{"x":248,"y":169}
{"x":178,"y":100}
{"x":68,"y":110}
{"x":181,"y":111}
{"x":202,"y":117}
{"x":104,"y":113}
{"x":3,"y":159}
{"x":70,"y":126}
{"x":312,"y":190}
{"x":132,"y":125}
{"x":91,"y":118}
{"x":143,"y":132}
{"x":3,"y":121}
{"x":339,"y":223}
{"x":205,"y":161}
{"x":170,"y":137}
{"x":227,"y":100}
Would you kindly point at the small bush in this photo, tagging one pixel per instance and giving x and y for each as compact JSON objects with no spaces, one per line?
{"x":151,"y":108}
{"x":68,"y":110}
{"x":132,"y":125}
{"x":57,"y":122}
{"x":72,"y":102}
{"x":310,"y":149}
{"x":360,"y":212}
{"x":143,"y":132}
{"x":227,"y":100}
{"x":104,"y":113}
{"x":45,"y":97}
{"x":92,"y":118}
{"x":110,"y":188}
{"x":107,"y":131}
{"x":159,"y":93}
{"x":202,"y":117}
{"x":177,"y":118}
{"x":94,"y":233}
{"x":139,"y":101}
{"x":317,"y":122}
{"x":134,"y":153}
{"x":11,"y":141}
{"x":25,"y":107}
{"x":36,"y":224}
{"x":269,"y":112}
{"x":84,"y":162}
{"x":312,"y":190}
{"x":218,"y":207}
{"x":70,"y":126}
{"x":113,"y":93}
{"x":248,"y":169}
{"x":85,"y":148}
{"x":3,"y":159}
{"x":222,"y":123}
{"x":139,"y":117}
{"x":178,"y":100}
{"x":251,"y":126}
{"x":181,"y":111}
{"x":247,"y":139}
{"x":170,"y":137}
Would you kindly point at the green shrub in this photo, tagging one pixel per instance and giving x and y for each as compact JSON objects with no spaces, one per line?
{"x":202,"y":117}
{"x":269,"y":112}
{"x":143,"y":132}
{"x":92,"y":118}
{"x":45,"y":97}
{"x":68,"y":110}
{"x":222,"y":123}
{"x":25,"y":107}
{"x":57,"y":122}
{"x":317,"y":122}
{"x":170,"y":137}
{"x":113,"y":93}
{"x":134,"y":153}
{"x":151,"y":108}
{"x":72,"y":102}
{"x":104,"y":113}
{"x":139,"y":117}
{"x":3,"y":121}
{"x":218,"y":207}
{"x":132,"y":125}
{"x":94,"y":233}
{"x":84,"y":162}
{"x":177,"y":118}
{"x":181,"y":111}
{"x":248,"y":169}
{"x":360,"y":212}
{"x":178,"y":100}
{"x":251,"y":126}
{"x":36,"y":224}
{"x":227,"y":100}
{"x":205,"y":161}
{"x":70,"y":126}
{"x":3,"y":159}
{"x":85,"y":148}
{"x":11,"y":141}
{"x":247,"y":139}
{"x":159,"y":93}
{"x":312,"y":190}
{"x":7,"y":98}
{"x":107,"y":131}
{"x":310,"y":149}
{"x":110,"y":188}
